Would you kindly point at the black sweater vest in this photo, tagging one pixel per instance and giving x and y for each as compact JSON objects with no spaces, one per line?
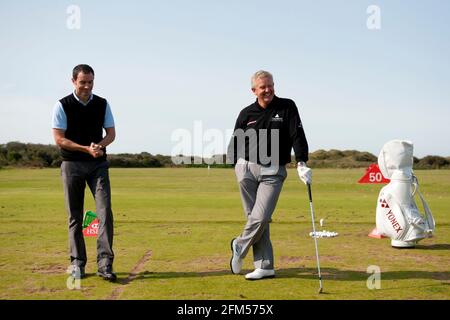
{"x":84,"y":125}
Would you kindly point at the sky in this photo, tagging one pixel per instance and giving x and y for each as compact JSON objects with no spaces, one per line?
{"x":360,"y":72}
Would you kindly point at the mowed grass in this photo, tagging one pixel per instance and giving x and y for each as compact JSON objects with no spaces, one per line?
{"x":173,"y":228}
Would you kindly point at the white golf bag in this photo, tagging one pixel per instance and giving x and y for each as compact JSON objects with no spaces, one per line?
{"x":397,"y":214}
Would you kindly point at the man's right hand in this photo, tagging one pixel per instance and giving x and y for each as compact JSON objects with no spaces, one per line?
{"x":95,"y":150}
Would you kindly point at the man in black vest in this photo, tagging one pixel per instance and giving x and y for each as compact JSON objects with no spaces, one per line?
{"x":78,"y":123}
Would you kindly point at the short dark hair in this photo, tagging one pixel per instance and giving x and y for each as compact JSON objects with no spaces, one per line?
{"x":81,"y":68}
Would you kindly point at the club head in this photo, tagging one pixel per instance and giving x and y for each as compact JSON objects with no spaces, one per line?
{"x":320,"y":290}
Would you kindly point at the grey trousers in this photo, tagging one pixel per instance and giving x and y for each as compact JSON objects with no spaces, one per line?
{"x":260,"y":189}
{"x":75,"y":175}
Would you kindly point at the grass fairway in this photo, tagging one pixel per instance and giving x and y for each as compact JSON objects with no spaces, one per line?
{"x":173,"y":228}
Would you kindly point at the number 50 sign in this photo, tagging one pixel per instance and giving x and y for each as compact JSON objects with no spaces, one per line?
{"x":373,"y":175}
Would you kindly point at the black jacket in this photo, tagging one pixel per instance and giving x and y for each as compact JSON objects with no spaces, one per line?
{"x":256,"y":126}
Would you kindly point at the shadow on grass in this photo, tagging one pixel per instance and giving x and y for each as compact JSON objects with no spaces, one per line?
{"x":350,"y":275}
{"x":439,"y":246}
{"x":296,"y":273}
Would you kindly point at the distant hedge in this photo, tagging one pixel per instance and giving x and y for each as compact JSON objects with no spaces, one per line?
{"x":433,"y":162}
{"x":17,"y":154}
{"x":340,"y":159}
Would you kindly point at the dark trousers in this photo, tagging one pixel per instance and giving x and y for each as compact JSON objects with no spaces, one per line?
{"x":75,"y":175}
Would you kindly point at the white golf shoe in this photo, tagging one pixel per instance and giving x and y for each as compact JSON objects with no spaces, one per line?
{"x":260,"y":274}
{"x":236,"y":261}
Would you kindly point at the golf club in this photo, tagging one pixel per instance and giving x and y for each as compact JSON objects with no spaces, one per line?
{"x":315,"y":238}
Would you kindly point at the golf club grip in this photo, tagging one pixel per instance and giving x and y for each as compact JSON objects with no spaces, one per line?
{"x":309,"y":192}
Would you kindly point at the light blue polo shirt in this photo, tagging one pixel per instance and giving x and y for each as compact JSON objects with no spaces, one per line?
{"x":59,"y":119}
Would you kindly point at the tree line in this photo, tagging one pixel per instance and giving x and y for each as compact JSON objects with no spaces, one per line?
{"x":17,"y":154}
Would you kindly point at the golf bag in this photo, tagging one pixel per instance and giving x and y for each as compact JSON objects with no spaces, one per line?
{"x":397,"y":215}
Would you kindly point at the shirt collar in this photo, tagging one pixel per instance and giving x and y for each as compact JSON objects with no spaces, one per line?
{"x":78,"y":99}
{"x":269,"y":106}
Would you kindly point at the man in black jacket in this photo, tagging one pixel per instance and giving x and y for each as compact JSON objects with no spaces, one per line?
{"x":264,"y":135}
{"x":78,"y":123}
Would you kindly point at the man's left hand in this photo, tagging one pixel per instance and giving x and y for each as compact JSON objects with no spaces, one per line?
{"x":304,"y":173}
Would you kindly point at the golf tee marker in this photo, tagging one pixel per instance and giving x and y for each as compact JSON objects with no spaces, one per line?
{"x":90,"y":224}
{"x":373,"y":175}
